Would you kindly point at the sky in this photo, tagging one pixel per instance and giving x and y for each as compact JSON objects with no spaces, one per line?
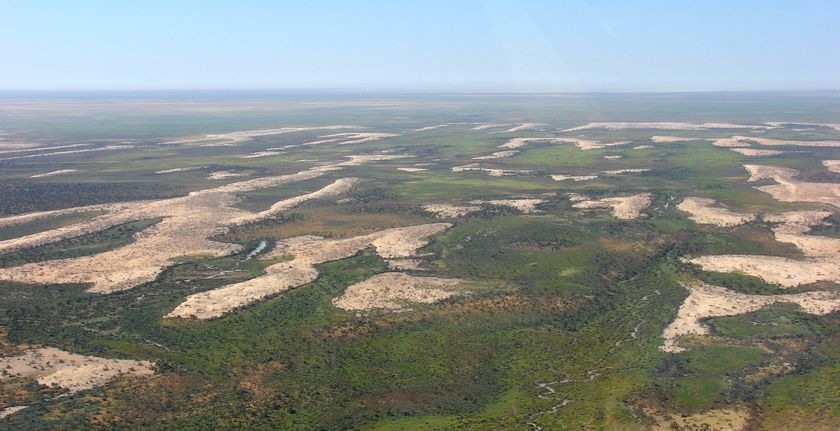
{"x":423,"y":45}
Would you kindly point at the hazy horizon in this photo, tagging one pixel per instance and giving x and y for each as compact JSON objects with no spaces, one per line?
{"x":374,"y":46}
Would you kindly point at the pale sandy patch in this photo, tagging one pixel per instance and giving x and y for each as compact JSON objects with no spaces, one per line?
{"x":427,"y":128}
{"x":54,"y":367}
{"x":404,"y":169}
{"x":643,"y":147}
{"x":835,"y":126}
{"x":336,"y":188}
{"x":54,"y":173}
{"x":493,"y":172}
{"x":405,"y":264}
{"x":730,"y":143}
{"x":573,"y":177}
{"x":664,"y":125}
{"x":62,"y":153}
{"x":789,"y":189}
{"x":486,"y":126}
{"x":524,"y":126}
{"x":16,"y":147}
{"x":659,"y":139}
{"x":822,"y":261}
{"x":11,"y":410}
{"x":260,"y":154}
{"x":524,"y":205}
{"x":832,"y":165}
{"x":777,"y":142}
{"x":794,"y":225}
{"x":176,"y":170}
{"x":706,"y":211}
{"x":223,"y":175}
{"x":392,"y":290}
{"x":612,"y":157}
{"x":724,"y":419}
{"x":754,"y":152}
{"x":705,"y":300}
{"x":226,"y":139}
{"x":188,"y":222}
{"x":625,"y":171}
{"x":625,"y":207}
{"x":772,"y":269}
{"x":497,"y":155}
{"x":450,"y":211}
{"x":577,"y":197}
{"x":306,"y":252}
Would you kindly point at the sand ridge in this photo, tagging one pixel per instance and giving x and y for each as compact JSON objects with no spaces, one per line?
{"x":754,"y":152}
{"x":623,"y":207}
{"x":789,"y":189}
{"x":664,"y":125}
{"x":55,"y":367}
{"x":188,"y":222}
{"x":391,"y":290}
{"x":821,"y":262}
{"x":706,"y":211}
{"x":54,"y":173}
{"x":306,"y":252}
{"x":234,"y":138}
{"x":705,"y":300}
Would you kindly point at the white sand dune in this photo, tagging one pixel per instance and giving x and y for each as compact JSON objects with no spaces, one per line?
{"x":705,"y":301}
{"x":391,"y":291}
{"x":188,"y":222}
{"x":306,"y":252}
{"x":665,"y":125}
{"x":707,"y":211}
{"x":54,"y":367}
{"x":623,"y":207}
{"x":54,"y":173}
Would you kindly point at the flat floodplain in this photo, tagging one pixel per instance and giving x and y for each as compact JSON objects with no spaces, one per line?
{"x":467,"y":262}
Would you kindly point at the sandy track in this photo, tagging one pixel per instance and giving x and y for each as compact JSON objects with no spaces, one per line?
{"x":624,"y":207}
{"x":392,"y":290}
{"x":187,"y":223}
{"x":705,"y":300}
{"x":307,"y":251}
{"x":706,"y":211}
{"x":54,"y":367}
{"x":789,"y":189}
{"x":664,"y":126}
{"x":31,"y":148}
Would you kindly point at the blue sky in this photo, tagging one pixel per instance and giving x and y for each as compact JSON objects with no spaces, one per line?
{"x":421,"y":45}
